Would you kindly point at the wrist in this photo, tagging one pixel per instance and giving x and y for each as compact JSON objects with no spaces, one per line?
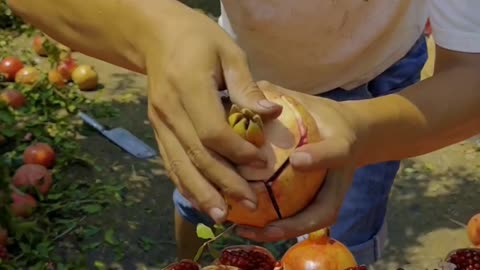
{"x":384,"y":126}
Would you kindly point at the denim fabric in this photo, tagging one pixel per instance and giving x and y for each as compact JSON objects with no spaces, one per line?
{"x":361,"y":224}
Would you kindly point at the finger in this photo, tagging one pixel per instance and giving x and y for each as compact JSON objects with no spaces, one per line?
{"x":242,"y":88}
{"x":176,"y":119}
{"x":321,"y":213}
{"x":184,"y":174}
{"x":208,"y":117}
{"x":329,"y":153}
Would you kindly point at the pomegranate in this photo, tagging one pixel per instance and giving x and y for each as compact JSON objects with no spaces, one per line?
{"x":247,"y":257}
{"x":465,"y":258}
{"x":38,"y":48}
{"x":28,"y":75}
{"x":23,"y":205}
{"x":56,"y":78}
{"x":220,"y":267}
{"x":473,"y":229}
{"x":66,"y":68}
{"x":184,"y":265}
{"x":13,"y":98}
{"x":33,"y":176}
{"x":40,"y":153}
{"x":318,"y":252}
{"x":9,"y":67}
{"x":281,"y":191}
{"x":3,"y":236}
{"x":4,"y":256}
{"x":85,"y":77}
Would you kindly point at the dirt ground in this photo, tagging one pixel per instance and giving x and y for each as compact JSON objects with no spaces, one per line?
{"x":433,"y":194}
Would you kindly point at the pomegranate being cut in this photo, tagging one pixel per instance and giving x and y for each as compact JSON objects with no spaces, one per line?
{"x":281,"y":191}
{"x":465,"y":258}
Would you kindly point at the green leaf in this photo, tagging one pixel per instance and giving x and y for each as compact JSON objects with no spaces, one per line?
{"x":92,"y":208}
{"x":204,"y":232}
{"x":100,"y":265}
{"x":110,"y":238}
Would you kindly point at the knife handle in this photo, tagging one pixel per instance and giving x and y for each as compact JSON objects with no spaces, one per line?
{"x":90,"y":121}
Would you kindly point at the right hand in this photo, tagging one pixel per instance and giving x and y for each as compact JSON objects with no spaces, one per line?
{"x":186,"y":68}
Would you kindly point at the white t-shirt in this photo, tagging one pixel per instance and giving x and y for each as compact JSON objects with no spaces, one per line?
{"x":317,"y":45}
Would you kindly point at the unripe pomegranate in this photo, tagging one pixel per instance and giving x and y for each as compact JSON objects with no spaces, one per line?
{"x":40,"y":153}
{"x":85,"y":77}
{"x":13,"y":98}
{"x":9,"y":67}
{"x":38,"y":48}
{"x":33,"y":176}
{"x":28,"y":75}
{"x":281,"y":191}
{"x":319,"y":252}
{"x":23,"y":205}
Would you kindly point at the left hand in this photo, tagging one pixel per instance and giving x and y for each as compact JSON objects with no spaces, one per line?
{"x":341,"y":132}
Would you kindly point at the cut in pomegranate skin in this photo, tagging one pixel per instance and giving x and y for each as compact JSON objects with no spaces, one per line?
{"x":281,"y":190}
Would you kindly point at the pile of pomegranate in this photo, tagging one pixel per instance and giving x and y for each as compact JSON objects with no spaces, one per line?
{"x":31,"y":180}
{"x":67,"y":70}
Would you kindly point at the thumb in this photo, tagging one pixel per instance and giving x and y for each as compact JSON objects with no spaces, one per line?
{"x":329,"y":153}
{"x":242,"y":88}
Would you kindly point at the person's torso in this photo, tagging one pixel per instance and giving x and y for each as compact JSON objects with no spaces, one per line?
{"x":315,"y":46}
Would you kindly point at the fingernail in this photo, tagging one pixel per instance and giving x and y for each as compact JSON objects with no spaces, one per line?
{"x":267,"y":104}
{"x":274,"y":232}
{"x":260,"y":164}
{"x":301,"y":158}
{"x":217,"y":214}
{"x":249,"y":204}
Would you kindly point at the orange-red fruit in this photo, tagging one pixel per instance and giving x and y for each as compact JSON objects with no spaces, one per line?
{"x":33,"y":176}
{"x":23,"y":205}
{"x":3,"y":236}
{"x":28,"y":75}
{"x":85,"y":77}
{"x":319,"y":252}
{"x":38,"y":46}
{"x":473,"y":229}
{"x":41,"y":154}
{"x":13,"y":98}
{"x":56,"y":78}
{"x":66,"y":67}
{"x":9,"y":67}
{"x":292,"y":189}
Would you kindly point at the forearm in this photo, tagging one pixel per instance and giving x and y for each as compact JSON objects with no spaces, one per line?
{"x":432,"y":114}
{"x":116,"y":31}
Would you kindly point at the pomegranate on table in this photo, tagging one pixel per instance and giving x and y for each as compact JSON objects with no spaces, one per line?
{"x":473,"y":230}
{"x":38,"y":48}
{"x":281,"y":191}
{"x":85,"y":77}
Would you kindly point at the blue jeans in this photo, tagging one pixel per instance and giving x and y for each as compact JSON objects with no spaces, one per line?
{"x":361,"y":224}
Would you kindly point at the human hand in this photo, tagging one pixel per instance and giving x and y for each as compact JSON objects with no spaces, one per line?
{"x":186,"y":68}
{"x":336,"y":153}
